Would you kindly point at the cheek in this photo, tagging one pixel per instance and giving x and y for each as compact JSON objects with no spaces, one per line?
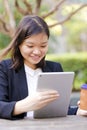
{"x":24,"y":51}
{"x":44,"y":52}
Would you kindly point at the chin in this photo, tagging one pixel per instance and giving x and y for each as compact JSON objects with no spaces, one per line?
{"x":36,"y":62}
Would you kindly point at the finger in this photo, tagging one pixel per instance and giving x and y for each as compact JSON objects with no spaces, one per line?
{"x":78,"y":103}
{"x":46,"y":101}
{"x":49,"y":92}
{"x":48,"y":98}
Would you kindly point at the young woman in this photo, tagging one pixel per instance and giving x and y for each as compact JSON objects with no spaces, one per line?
{"x":18,"y":75}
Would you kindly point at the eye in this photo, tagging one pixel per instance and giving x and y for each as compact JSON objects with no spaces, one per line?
{"x":29,"y":46}
{"x":43,"y":46}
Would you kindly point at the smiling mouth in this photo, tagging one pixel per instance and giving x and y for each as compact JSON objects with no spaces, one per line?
{"x":35,"y":57}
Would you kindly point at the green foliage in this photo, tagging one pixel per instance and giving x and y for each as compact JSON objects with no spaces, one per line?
{"x":75,"y":27}
{"x":73,"y":62}
{"x":4,"y":40}
{"x":54,"y":33}
{"x":1,"y":5}
{"x":17,"y":16}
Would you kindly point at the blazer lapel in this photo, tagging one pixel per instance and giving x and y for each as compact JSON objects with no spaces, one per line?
{"x":23,"y":88}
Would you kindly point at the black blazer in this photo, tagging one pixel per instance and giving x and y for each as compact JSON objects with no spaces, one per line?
{"x":13,"y":87}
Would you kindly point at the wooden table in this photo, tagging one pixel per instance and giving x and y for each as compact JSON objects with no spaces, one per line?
{"x":62,"y":123}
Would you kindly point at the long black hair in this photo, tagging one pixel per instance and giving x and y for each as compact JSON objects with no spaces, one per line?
{"x":27,"y":27}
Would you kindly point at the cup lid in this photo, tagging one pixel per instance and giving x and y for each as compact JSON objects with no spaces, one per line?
{"x":84,"y":86}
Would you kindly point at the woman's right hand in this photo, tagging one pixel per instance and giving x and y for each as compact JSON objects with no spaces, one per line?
{"x":36,"y":101}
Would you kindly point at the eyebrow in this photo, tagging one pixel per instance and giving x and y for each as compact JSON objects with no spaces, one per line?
{"x":35,"y":42}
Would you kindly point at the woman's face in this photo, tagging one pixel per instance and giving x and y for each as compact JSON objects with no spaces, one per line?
{"x":34,"y":48}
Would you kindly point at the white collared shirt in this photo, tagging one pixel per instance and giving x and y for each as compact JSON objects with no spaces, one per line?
{"x":31,"y":76}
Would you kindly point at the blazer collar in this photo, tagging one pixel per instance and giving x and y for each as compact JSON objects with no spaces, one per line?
{"x":46,"y":69}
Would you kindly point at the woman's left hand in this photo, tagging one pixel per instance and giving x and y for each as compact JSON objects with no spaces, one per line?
{"x":81,"y":112}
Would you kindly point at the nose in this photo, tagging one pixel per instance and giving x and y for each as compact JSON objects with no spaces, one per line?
{"x":36,"y":51}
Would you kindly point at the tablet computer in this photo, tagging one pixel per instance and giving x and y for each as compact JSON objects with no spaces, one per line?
{"x":63,"y":83}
